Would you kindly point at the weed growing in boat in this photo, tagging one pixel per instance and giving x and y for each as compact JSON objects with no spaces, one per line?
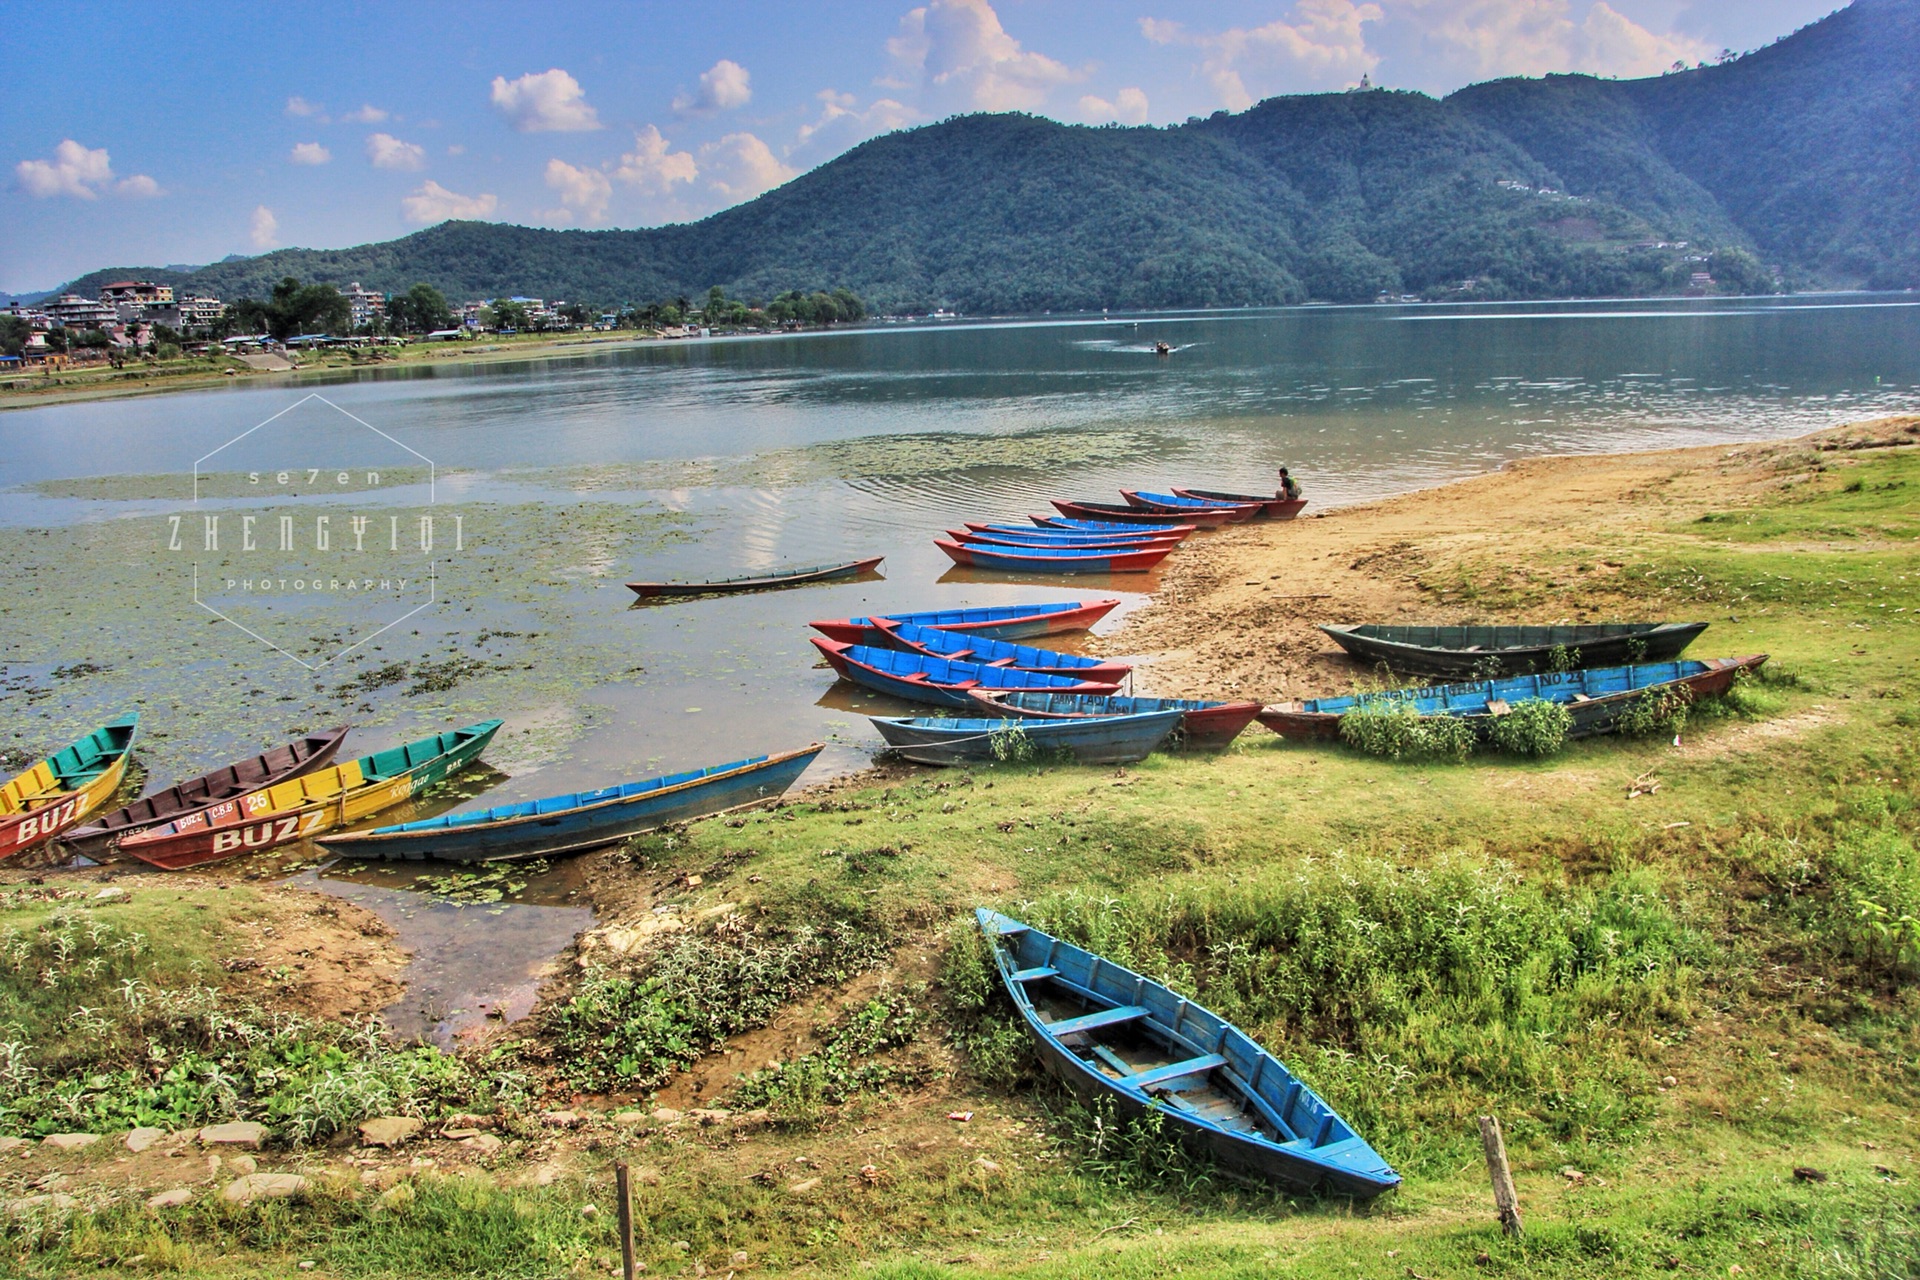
{"x":1561,"y":658}
{"x":1395,"y":729}
{"x":1656,"y":713}
{"x":1012,"y":746}
{"x":1535,"y":727}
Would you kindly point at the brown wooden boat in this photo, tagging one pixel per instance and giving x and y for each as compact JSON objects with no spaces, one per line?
{"x":289,"y":760}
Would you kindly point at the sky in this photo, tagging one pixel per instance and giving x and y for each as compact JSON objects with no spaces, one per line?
{"x":182,"y":133}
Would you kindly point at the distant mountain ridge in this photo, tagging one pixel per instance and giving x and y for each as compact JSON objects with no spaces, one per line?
{"x":1801,"y":157}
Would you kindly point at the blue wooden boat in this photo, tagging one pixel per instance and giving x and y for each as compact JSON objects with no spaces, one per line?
{"x":1002,"y":622}
{"x":1596,"y":698}
{"x":987,"y":652}
{"x":1204,"y":726}
{"x":1107,"y":740}
{"x":1081,"y":537}
{"x":1073,"y":542}
{"x":938,"y":681}
{"x":1071,"y":525}
{"x":1174,"y":504}
{"x":1054,"y":559}
{"x":1112,"y":1035}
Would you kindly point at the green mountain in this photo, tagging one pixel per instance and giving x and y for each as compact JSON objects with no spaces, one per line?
{"x":1798,"y":159}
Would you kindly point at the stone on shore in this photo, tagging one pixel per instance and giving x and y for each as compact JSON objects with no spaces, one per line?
{"x":171,"y":1199}
{"x":241,"y":1133}
{"x":69,"y":1141}
{"x":142,"y":1138}
{"x":389,"y":1131}
{"x":263,"y":1186}
{"x":27,"y":1204}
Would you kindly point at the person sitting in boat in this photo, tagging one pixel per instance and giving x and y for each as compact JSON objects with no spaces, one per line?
{"x":1289,"y":487}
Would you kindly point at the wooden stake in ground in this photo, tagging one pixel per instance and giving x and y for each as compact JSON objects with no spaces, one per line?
{"x":1505,"y":1198}
{"x":623,"y":1196}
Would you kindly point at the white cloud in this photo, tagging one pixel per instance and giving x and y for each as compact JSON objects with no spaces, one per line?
{"x":309,"y":153}
{"x":81,"y":172}
{"x":1478,"y":39}
{"x":457,"y":149}
{"x":843,"y":122}
{"x":1129,"y":106}
{"x":653,"y":165}
{"x":434,"y":203}
{"x":585,"y":191}
{"x":723,"y":87}
{"x":550,"y":102}
{"x":299,"y":106}
{"x":389,"y":152}
{"x":263,"y":230}
{"x":367,"y":114}
{"x":962,"y":59}
{"x":1324,"y":46}
{"x":740,"y":166}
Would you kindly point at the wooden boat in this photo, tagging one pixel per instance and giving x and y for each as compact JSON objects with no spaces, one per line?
{"x":1461,"y":653}
{"x":757,"y":582}
{"x":1062,"y":530}
{"x":1002,"y":621}
{"x":968,"y":537}
{"x":1108,"y":740}
{"x":940,"y":682}
{"x":1596,"y":697}
{"x":1121,"y":513}
{"x":988,"y":652}
{"x":582,"y":820}
{"x":1174,"y":504}
{"x":1273,"y":508}
{"x":60,"y":791}
{"x":1113,"y":1035}
{"x":1204,"y":726}
{"x":290,"y":760}
{"x":311,"y":804}
{"x":1053,"y":559}
{"x":1067,"y":524}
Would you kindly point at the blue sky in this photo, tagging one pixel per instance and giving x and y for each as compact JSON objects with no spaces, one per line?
{"x":183,"y":133}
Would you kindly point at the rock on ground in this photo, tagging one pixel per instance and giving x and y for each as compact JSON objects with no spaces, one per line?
{"x":69,"y":1141}
{"x":170,"y":1199}
{"x":263,"y":1186}
{"x":241,"y":1133}
{"x":389,"y":1131}
{"x":142,"y":1138}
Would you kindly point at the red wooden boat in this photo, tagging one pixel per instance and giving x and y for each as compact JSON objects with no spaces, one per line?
{"x":1121,"y":513}
{"x":290,"y":760}
{"x":988,"y":652}
{"x":1145,"y":542}
{"x":1042,"y":560}
{"x":1001,"y":622}
{"x":1043,"y":528}
{"x":1173,"y":504}
{"x":1274,"y":508}
{"x":1205,"y":725}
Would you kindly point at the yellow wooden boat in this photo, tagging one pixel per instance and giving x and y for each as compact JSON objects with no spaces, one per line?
{"x":66,"y":787}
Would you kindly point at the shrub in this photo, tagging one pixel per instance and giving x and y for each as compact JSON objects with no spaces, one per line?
{"x":1656,"y":713}
{"x":1534,"y":727}
{"x":1395,"y":729}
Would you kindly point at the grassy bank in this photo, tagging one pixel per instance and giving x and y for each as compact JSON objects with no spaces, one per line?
{"x":1682,"y":975}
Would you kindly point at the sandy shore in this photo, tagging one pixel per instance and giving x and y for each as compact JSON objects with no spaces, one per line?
{"x":1238,"y":609}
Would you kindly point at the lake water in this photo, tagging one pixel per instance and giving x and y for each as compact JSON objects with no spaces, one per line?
{"x":572,"y":474}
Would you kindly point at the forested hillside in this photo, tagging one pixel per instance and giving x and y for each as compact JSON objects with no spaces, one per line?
{"x":1797,"y":162}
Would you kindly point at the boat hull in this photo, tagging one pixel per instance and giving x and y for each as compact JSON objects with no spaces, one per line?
{"x":1234,"y":1103}
{"x":1274,"y":508}
{"x":1204,"y":726}
{"x":937,"y":682}
{"x":935,"y":643}
{"x":1068,"y":534}
{"x":1172,"y":504}
{"x":1593,"y":713}
{"x":516,"y":834}
{"x":1039,"y":542}
{"x":1116,"y":513}
{"x":60,"y":792}
{"x":768,"y":582}
{"x":1042,"y":561}
{"x":1090,"y":740}
{"x":1001,"y":622}
{"x":1464,"y":653}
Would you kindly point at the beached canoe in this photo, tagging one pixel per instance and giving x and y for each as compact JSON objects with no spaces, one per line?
{"x":1078,"y":542}
{"x":1067,"y":531}
{"x":1053,"y":559}
{"x":1068,"y":524}
{"x":988,"y":652}
{"x":312,"y":804}
{"x":1174,"y":504}
{"x":59,"y":792}
{"x":1122,"y":513}
{"x":1271,"y":508}
{"x":582,"y":819}
{"x":1596,"y":697}
{"x":1108,"y":740}
{"x":1113,"y":1035}
{"x":938,"y":682}
{"x":757,"y":582}
{"x":289,"y":760}
{"x":1001,"y":621}
{"x":1204,"y":726}
{"x":1462,"y":653}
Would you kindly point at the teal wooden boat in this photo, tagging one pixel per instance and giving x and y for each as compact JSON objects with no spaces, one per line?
{"x":1111,"y":1034}
{"x":1467,"y":652}
{"x":966,"y":740}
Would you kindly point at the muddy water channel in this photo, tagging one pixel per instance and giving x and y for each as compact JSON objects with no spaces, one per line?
{"x":406,"y":551}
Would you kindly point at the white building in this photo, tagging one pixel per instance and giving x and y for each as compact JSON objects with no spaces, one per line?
{"x":75,"y":312}
{"x":364,"y":306}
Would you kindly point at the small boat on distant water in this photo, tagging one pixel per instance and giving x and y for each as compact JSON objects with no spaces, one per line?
{"x":1122,"y":513}
{"x":1273,"y":508}
{"x":757,"y":582}
{"x":60,"y":791}
{"x":1113,"y":1035}
{"x":1463,"y":652}
{"x":311,"y":804}
{"x":1596,"y":698}
{"x":1061,"y":529}
{"x":1054,"y":559}
{"x":290,"y":760}
{"x":989,"y":652}
{"x":1204,"y":725}
{"x":583,"y":819}
{"x":938,"y":682}
{"x":1107,"y":740}
{"x":1174,"y":504}
{"x":1001,"y":621}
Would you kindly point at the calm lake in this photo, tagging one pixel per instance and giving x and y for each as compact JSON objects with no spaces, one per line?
{"x":570,"y":475}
